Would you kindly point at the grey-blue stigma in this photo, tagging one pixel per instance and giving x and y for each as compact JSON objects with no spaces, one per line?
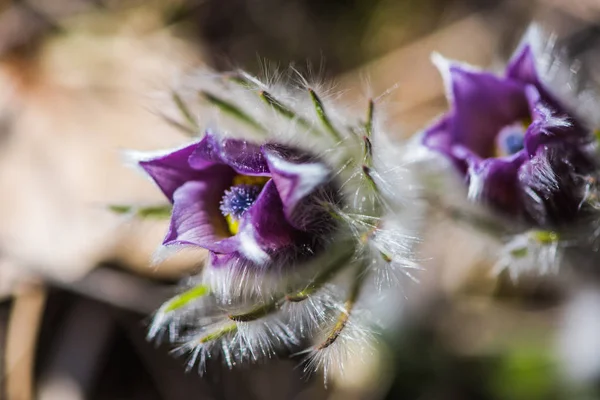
{"x":238,"y":199}
{"x":513,"y":142}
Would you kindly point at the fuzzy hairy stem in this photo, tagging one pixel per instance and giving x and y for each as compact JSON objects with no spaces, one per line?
{"x":342,"y":320}
{"x":297,"y":296}
{"x":258,"y":312}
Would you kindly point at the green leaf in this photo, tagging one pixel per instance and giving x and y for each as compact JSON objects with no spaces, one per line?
{"x":120,"y":208}
{"x":185,"y":111}
{"x":369,"y":123}
{"x":546,"y":237}
{"x":186,"y":298}
{"x":322,"y":114}
{"x":162,"y":211}
{"x":521,"y":252}
{"x":283,"y":109}
{"x":155,"y":212}
{"x":232,"y":110}
{"x":218,"y":333}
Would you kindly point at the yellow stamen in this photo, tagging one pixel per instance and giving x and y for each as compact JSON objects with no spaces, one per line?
{"x":232,"y":224}
{"x":250,"y":180}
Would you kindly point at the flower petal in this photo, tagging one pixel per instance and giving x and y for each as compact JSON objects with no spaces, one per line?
{"x":522,"y":67}
{"x":196,"y":219}
{"x":550,"y":125}
{"x":483,"y":104}
{"x":438,"y":137}
{"x":295,"y":177}
{"x":171,"y":170}
{"x":265,"y":225}
{"x":244,"y":157}
{"x":494,"y":181}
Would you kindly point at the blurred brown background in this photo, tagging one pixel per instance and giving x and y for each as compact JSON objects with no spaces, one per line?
{"x":80,"y":81}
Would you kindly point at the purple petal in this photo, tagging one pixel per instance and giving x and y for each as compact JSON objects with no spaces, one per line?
{"x":437,"y":136}
{"x":483,"y":104}
{"x":266,"y":220}
{"x":244,"y":157}
{"x":196,"y":218}
{"x":550,"y":125}
{"x":295,"y":177}
{"x":495,"y":181}
{"x":171,"y":170}
{"x":522,"y":67}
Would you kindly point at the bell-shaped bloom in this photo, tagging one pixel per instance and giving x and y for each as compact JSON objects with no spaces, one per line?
{"x":244,"y":202}
{"x":518,"y":148}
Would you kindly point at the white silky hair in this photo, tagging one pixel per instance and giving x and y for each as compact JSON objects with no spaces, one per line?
{"x":524,"y":254}
{"x":355,"y":341}
{"x":560,"y":74}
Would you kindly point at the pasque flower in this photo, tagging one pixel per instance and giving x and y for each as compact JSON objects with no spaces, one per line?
{"x":518,"y":148}
{"x":242,"y":201}
{"x":300,"y":205}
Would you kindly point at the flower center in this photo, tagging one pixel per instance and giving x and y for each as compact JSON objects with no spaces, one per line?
{"x":511,"y":139}
{"x":239,"y":198}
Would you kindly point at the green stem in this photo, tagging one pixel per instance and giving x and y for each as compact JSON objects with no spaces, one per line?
{"x":342,"y":320}
{"x":257,"y":313}
{"x":297,"y":296}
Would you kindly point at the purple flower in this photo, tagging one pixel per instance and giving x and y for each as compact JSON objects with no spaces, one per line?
{"x":244,"y":202}
{"x":518,"y":149}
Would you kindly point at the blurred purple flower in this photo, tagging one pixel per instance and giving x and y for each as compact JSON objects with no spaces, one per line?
{"x":517,"y":147}
{"x":242,"y":201}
